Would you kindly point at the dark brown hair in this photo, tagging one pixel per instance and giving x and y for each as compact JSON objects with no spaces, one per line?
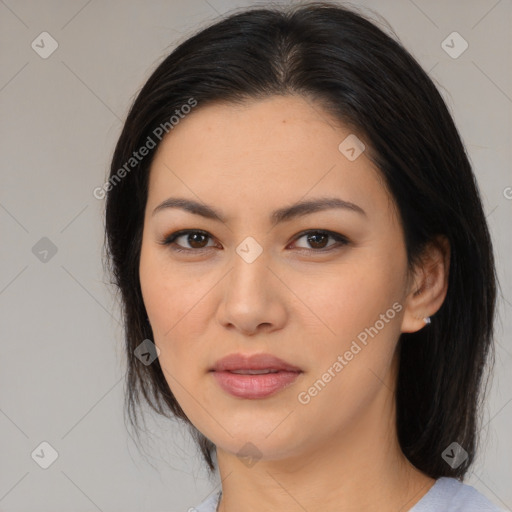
{"x":367,"y":80}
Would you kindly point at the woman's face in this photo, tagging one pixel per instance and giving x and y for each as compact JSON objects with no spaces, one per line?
{"x":260,"y":282}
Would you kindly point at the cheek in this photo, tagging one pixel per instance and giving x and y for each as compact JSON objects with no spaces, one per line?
{"x":178,"y":308}
{"x":349,"y":298}
{"x":351,"y":367}
{"x":360,"y":308}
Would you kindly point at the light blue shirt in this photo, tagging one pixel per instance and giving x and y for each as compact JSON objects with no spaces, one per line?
{"x":446,"y":495}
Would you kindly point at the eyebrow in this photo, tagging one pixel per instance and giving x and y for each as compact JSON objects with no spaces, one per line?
{"x":278,"y":216}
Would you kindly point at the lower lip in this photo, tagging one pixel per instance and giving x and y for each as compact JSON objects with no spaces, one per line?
{"x":254,"y":386}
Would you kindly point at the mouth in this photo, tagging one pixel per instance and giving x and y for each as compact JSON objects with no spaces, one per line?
{"x":242,"y":363}
{"x":253,"y":372}
{"x":255,"y":376}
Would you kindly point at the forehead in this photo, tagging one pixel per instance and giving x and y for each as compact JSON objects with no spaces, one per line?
{"x":262,"y":154}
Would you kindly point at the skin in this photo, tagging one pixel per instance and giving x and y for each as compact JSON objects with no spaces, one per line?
{"x":339,"y":452}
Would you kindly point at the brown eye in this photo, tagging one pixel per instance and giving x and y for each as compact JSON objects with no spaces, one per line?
{"x":191,"y":240}
{"x":319,"y":240}
{"x":197,"y":240}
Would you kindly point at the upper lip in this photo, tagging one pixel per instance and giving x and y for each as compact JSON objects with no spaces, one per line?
{"x":253,"y":362}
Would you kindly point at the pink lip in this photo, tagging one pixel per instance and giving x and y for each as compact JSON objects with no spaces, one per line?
{"x":249,"y":385}
{"x":253,"y":362}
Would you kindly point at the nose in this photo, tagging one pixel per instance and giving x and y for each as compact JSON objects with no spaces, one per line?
{"x":253,"y":298}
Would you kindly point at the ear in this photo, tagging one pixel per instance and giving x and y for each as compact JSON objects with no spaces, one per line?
{"x":428,"y":286}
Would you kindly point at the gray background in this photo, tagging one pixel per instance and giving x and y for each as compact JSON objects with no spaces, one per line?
{"x":61,"y":375}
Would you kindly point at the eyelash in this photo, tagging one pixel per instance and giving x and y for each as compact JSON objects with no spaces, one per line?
{"x":340,"y":239}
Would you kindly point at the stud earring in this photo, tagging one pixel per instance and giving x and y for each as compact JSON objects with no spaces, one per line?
{"x":427,"y":320}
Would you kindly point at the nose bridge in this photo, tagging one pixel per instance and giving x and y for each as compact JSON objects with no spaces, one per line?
{"x":251,"y":296}
{"x":250,"y":275}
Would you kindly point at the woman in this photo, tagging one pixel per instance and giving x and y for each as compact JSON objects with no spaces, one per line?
{"x":293,"y":222}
